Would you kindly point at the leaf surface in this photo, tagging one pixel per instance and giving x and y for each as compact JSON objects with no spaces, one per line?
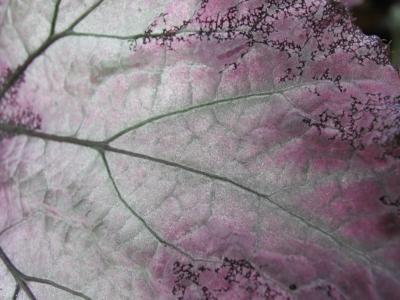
{"x":197,"y":150}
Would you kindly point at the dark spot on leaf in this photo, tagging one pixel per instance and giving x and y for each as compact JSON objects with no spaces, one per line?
{"x":389,"y":225}
{"x":231,"y":52}
{"x":11,"y":110}
{"x":213,"y":283}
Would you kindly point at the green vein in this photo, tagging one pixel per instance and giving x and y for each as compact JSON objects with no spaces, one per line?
{"x":140,"y":218}
{"x":22,"y":279}
{"x":16,"y":75}
{"x":31,"y":58}
{"x":103,"y":147}
{"x":107,"y":36}
{"x":236,"y":184}
{"x":84,"y":15}
{"x":203,"y":105}
{"x":53,"y":37}
{"x":18,"y":130}
{"x":117,"y":37}
{"x":127,"y":37}
{"x":54,"y":19}
{"x":212,"y":103}
{"x":10,"y":227}
{"x":16,"y":292}
{"x":56,"y":285}
{"x":17,"y":275}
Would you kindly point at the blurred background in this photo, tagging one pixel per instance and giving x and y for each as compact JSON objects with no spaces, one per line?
{"x":381,"y":18}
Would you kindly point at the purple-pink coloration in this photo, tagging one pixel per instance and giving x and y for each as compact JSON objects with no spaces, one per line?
{"x":257,"y":157}
{"x":12,"y":109}
{"x":351,"y":126}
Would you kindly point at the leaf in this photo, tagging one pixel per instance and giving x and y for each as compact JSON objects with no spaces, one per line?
{"x":198,"y":150}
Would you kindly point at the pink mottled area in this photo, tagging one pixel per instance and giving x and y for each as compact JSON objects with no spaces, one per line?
{"x":283,"y":174}
{"x":14,"y":107}
{"x":325,"y":149}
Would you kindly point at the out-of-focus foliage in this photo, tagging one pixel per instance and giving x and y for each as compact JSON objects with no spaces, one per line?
{"x":394,"y":26}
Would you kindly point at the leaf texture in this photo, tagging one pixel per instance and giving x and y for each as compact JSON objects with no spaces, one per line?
{"x":197,"y":150}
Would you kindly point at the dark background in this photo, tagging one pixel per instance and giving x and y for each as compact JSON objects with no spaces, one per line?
{"x":381,"y":18}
